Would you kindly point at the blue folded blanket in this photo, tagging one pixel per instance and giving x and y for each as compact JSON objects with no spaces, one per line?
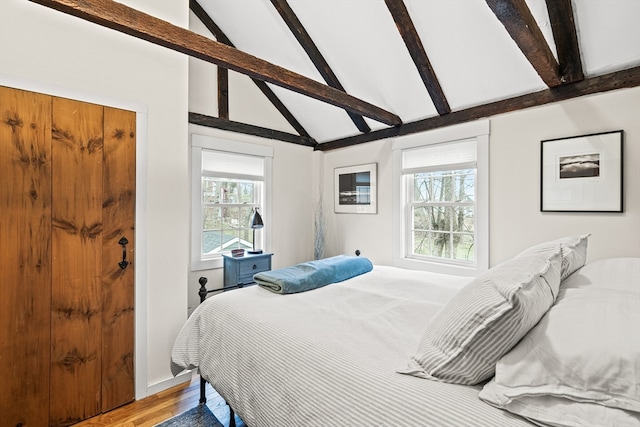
{"x":312,"y":274}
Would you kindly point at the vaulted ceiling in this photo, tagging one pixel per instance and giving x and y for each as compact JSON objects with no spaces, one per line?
{"x":344,"y":72}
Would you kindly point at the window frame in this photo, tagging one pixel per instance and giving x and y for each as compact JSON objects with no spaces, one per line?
{"x":257,"y":201}
{"x":412,"y":204}
{"x":402,"y":235}
{"x":202,"y":142}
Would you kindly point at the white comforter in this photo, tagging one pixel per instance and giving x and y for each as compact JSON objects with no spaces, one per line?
{"x":329,"y":357}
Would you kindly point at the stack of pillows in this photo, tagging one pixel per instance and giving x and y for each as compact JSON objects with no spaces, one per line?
{"x":500,"y":328}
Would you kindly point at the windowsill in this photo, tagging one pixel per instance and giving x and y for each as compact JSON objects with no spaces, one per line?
{"x":437,"y":267}
{"x":208,"y":264}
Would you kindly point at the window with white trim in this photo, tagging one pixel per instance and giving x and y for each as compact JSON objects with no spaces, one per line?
{"x":440,"y":183}
{"x":442,"y":202}
{"x":227,"y":186}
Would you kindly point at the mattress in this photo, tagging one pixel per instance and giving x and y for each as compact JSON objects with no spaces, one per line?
{"x":329,"y":357}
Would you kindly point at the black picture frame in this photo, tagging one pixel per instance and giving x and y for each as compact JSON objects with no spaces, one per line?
{"x":355,"y":189}
{"x":582,"y":173}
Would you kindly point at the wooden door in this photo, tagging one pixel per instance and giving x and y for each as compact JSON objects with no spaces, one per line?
{"x":76,"y":297}
{"x":118,"y":217}
{"x":85,"y":350}
{"x":25,"y":256}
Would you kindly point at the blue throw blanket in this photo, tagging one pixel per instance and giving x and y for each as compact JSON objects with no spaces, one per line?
{"x":312,"y":274}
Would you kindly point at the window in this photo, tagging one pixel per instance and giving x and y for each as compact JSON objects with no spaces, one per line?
{"x":227,"y":186}
{"x":228,"y":198}
{"x":442,"y":201}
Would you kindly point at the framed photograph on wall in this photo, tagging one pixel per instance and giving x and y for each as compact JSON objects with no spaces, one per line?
{"x":355,"y":189}
{"x":582,"y":173}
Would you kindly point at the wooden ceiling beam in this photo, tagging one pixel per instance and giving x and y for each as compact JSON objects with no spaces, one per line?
{"x":520,"y":24}
{"x":130,"y":21}
{"x":566,"y":38}
{"x":307,"y":43}
{"x":208,"y":22}
{"x":618,"y":80}
{"x":223,"y":93}
{"x":418,"y":54}
{"x":247,"y":129}
{"x":223,"y":73}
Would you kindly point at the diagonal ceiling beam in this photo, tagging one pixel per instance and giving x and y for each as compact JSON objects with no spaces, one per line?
{"x":204,"y":17}
{"x":418,"y":54}
{"x":618,"y":80}
{"x":566,"y":38}
{"x":316,"y":57}
{"x":520,"y":24}
{"x":130,"y":21}
{"x":247,"y":129}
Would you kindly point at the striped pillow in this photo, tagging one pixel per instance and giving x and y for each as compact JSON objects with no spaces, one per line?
{"x":574,"y":252}
{"x":465,"y":339}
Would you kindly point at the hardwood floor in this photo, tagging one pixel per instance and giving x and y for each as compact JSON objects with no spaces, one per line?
{"x":161,"y":406}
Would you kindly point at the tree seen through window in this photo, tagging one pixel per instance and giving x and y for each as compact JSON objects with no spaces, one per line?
{"x":443,"y":214}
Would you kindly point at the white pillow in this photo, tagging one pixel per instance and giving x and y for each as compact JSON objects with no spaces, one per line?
{"x":582,"y":361}
{"x":574,"y":252}
{"x":465,"y":339}
{"x":561,"y":412}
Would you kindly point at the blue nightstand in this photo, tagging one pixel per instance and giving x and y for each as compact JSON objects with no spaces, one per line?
{"x":239,"y":271}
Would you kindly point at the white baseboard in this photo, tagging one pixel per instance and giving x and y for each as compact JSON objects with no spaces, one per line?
{"x":168,"y":383}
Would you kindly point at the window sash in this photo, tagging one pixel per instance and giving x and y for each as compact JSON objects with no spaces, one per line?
{"x":434,"y":185}
{"x":242,"y":233}
{"x":229,"y":237}
{"x":412,"y":230}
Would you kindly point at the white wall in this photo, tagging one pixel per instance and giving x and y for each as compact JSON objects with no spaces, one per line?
{"x":369,"y":233}
{"x":515,"y":218}
{"x":55,"y":53}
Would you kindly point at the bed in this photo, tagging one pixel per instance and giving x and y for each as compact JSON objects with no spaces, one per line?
{"x":376,"y":349}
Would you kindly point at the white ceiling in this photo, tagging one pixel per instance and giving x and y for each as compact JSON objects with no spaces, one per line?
{"x":474,"y":58}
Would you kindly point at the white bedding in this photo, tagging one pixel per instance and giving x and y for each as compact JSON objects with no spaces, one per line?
{"x":580,"y":365}
{"x":330,"y":357}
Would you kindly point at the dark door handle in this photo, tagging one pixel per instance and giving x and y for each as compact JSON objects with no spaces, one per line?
{"x":124,"y":263}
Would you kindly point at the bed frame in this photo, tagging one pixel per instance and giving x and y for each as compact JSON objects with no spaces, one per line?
{"x":203,"y":292}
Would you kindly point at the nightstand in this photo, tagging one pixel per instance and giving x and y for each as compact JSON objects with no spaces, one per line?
{"x":239,"y":271}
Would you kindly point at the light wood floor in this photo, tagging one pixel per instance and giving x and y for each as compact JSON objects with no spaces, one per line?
{"x":162,"y":406}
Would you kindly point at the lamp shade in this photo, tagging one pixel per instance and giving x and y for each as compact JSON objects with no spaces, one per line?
{"x":256,"y":220}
